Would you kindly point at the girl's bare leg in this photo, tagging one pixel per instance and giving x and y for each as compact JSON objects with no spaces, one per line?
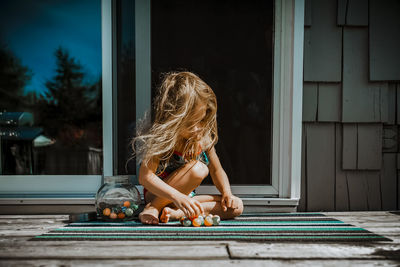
{"x":185,"y":180}
{"x":211,"y":205}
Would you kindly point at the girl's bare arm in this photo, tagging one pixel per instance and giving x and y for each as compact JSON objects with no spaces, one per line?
{"x":158,"y":187}
{"x":220,"y":179}
{"x":154,"y":184}
{"x":218,"y":175}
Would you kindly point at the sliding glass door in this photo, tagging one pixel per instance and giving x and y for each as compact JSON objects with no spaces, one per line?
{"x":50,"y":97}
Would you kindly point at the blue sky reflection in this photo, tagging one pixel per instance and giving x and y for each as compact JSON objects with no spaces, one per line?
{"x":33,"y":30}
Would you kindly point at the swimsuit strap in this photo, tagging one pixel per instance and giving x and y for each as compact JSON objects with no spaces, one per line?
{"x":180,"y":154}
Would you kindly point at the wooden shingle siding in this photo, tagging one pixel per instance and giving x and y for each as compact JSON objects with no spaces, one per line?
{"x":388,"y":180}
{"x":364,"y":190}
{"x":341,"y":12}
{"x":398,"y":103}
{"x":329,"y":102}
{"x":307,"y":13}
{"x":388,"y":104}
{"x":384,"y":40}
{"x":303,"y":193}
{"x":398,"y":180}
{"x":361,"y":99}
{"x":320,"y":154}
{"x":323,"y":44}
{"x":358,"y":190}
{"x":349,"y":146}
{"x":398,"y":161}
{"x":353,"y":12}
{"x":374,"y":190}
{"x":363,"y":103}
{"x":383,"y":104}
{"x":357,"y":13}
{"x":369,"y":146}
{"x":390,"y":138}
{"x":341,"y":192}
{"x":310,"y":101}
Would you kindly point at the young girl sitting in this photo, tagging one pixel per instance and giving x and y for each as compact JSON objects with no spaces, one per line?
{"x":177,"y":153}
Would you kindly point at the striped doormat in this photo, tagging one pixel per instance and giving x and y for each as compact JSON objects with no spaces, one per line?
{"x":248,"y":227}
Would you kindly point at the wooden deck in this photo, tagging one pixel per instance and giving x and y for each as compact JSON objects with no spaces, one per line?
{"x":16,"y":250}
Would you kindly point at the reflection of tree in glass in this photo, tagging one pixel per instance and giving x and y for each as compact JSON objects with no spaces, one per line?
{"x":13,"y":78}
{"x":70,"y":103}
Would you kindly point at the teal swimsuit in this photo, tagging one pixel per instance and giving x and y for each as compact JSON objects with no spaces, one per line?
{"x":177,"y":161}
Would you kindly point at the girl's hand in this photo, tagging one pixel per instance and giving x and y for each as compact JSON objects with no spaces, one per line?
{"x":189,"y":206}
{"x":229,"y":201}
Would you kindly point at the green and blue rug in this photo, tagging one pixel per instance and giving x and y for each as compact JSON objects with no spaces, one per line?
{"x":314,"y":227}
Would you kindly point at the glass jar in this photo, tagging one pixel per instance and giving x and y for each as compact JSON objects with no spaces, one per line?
{"x":117,"y":199}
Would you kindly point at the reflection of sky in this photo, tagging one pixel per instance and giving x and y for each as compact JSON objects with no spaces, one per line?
{"x":34,"y":29}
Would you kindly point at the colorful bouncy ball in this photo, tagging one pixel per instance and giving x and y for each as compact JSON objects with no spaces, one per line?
{"x":197,"y":221}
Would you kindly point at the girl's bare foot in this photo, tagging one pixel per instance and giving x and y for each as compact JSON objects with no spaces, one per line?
{"x":165,"y":214}
{"x":168,"y":214}
{"x":149,"y":215}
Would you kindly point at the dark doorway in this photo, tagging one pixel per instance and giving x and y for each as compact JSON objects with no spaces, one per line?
{"x":229,"y":44}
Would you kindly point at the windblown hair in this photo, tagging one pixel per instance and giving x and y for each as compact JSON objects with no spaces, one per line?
{"x":175,"y":104}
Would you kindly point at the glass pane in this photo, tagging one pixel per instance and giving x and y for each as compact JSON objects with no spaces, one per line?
{"x":50,"y":87}
{"x":229,"y":44}
{"x":126,"y":80}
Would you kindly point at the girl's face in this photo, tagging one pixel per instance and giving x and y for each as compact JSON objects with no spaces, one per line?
{"x":193,"y":126}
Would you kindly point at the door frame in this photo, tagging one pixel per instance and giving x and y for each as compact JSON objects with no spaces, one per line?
{"x":287,"y":102}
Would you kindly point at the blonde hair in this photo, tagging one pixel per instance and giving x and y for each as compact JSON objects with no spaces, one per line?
{"x":175,"y":103}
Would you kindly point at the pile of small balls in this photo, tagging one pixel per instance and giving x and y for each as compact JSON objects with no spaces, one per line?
{"x":120,"y":212}
{"x":200,"y":220}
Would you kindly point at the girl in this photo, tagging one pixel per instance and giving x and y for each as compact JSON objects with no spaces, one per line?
{"x":177,"y":153}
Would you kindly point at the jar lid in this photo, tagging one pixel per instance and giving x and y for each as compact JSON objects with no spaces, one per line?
{"x":116,"y":179}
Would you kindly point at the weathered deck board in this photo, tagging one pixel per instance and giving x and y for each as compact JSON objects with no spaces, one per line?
{"x":359,"y":214}
{"x":383,"y":221}
{"x":311,"y":251}
{"x":15,"y":249}
{"x":34,"y":217}
{"x":205,"y":263}
{"x":36,"y":221}
{"x":102,"y":250}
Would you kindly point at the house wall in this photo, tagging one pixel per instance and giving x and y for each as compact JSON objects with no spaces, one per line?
{"x":351,"y":106}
